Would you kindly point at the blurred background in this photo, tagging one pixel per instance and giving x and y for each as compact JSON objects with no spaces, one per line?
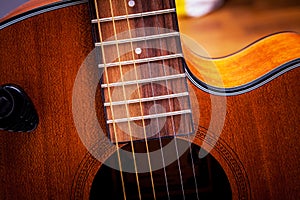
{"x":237,"y":23}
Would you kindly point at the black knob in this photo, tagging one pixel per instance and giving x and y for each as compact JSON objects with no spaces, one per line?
{"x":17,"y":112}
{"x":6,"y":103}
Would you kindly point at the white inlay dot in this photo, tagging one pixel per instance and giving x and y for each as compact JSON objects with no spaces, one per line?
{"x":131,"y":3}
{"x":138,"y":51}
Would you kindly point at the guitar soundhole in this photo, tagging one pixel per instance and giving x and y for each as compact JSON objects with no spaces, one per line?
{"x":206,"y":173}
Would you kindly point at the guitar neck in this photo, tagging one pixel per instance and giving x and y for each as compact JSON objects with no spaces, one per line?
{"x":143,"y":82}
{"x":139,"y":13}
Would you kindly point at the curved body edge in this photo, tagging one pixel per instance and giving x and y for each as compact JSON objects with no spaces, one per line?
{"x":247,"y":69}
{"x":35,"y":7}
{"x":260,"y":157}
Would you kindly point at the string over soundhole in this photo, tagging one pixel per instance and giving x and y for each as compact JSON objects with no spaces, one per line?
{"x":201,"y":178}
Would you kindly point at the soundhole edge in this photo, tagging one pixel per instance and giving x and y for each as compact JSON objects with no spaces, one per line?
{"x":188,"y":178}
{"x":89,"y":167}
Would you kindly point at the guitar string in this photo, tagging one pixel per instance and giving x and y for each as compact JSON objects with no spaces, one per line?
{"x":155,"y":109}
{"x":124,"y":94}
{"x":176,"y":147}
{"x":152,"y":88}
{"x":189,"y":137}
{"x":193,"y":167}
{"x":173,"y":126}
{"x":140,"y":103}
{"x":110,"y":100}
{"x":159,"y":131}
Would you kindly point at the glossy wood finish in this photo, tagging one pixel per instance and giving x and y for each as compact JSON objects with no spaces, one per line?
{"x":122,"y":73}
{"x":247,"y":65}
{"x":28,"y":6}
{"x":49,"y":50}
{"x":258,"y":148}
{"x":261,"y":128}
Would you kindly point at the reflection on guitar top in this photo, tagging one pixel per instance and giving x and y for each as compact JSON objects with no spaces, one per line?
{"x":129,"y":109}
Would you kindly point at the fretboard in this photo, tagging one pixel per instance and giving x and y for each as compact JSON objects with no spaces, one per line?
{"x":144,"y":82}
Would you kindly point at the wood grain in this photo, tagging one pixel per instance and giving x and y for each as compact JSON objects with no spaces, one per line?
{"x":28,"y":6}
{"x":261,"y":127}
{"x":247,"y":65}
{"x":49,"y":51}
{"x":135,"y":28}
{"x":260,"y":139}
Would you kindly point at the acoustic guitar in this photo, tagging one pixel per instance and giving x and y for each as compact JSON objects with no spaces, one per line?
{"x":107,"y":100}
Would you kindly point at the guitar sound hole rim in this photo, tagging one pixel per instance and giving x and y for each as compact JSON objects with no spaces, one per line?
{"x":211,"y":179}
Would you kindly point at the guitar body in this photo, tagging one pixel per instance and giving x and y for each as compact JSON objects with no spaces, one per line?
{"x":257,"y":148}
{"x":42,"y":164}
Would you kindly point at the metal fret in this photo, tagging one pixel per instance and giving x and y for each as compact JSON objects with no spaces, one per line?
{"x":142,"y":81}
{"x":144,"y":66}
{"x":138,"y":39}
{"x":136,"y":15}
{"x":145,"y":117}
{"x":143,"y":60}
{"x":156,"y":98}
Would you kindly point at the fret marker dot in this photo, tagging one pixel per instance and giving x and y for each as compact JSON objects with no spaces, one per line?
{"x":138,"y":51}
{"x":131,"y":3}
